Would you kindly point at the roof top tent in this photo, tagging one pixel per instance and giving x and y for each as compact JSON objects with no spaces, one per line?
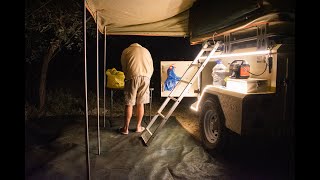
{"x":260,"y":33}
{"x":218,"y":19}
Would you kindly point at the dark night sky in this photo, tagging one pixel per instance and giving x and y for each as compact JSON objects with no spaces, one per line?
{"x":67,"y":70}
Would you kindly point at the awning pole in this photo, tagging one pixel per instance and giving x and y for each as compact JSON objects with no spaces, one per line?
{"x":98,"y":114}
{"x":86,"y":88}
{"x":104,"y":76}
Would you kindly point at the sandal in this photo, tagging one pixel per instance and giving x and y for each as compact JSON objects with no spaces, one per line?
{"x":142,"y":129}
{"x":122,"y":132}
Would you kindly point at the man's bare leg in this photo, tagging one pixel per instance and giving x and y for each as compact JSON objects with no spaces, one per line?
{"x":140,"y":113}
{"x":128,"y":111}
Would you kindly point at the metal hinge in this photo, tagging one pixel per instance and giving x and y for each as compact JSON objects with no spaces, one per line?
{"x":262,"y":40}
{"x":227,"y":44}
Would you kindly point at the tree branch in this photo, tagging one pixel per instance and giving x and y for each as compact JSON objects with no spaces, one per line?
{"x":69,"y":39}
{"x":38,"y":9}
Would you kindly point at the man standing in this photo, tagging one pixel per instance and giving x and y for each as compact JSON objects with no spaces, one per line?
{"x":137,"y":65}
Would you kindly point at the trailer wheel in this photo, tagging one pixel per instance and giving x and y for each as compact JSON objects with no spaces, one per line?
{"x":212,"y":128}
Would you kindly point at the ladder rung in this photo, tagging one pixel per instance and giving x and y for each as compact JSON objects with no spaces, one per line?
{"x":203,"y":57}
{"x":149,"y":131}
{"x":197,"y":65}
{"x":207,"y":49}
{"x":173,"y":98}
{"x":161,"y":115}
{"x":185,"y":81}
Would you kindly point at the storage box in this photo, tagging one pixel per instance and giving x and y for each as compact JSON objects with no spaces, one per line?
{"x":250,"y":85}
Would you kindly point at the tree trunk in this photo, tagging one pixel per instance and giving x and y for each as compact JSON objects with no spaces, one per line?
{"x":43,"y":76}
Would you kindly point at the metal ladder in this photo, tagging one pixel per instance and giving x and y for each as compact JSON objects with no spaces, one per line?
{"x":185,"y":83}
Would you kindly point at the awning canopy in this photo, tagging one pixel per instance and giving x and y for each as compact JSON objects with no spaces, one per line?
{"x":198,"y":20}
{"x":141,"y":17}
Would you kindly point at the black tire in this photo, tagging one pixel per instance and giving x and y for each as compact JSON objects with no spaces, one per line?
{"x":212,"y":126}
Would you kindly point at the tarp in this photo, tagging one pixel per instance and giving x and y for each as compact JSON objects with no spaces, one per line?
{"x":55,"y":149}
{"x":141,"y":17}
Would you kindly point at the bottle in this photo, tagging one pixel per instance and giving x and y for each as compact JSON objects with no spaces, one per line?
{"x":219,"y":73}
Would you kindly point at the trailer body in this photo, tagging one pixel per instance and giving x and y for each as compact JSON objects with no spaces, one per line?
{"x":261,"y":105}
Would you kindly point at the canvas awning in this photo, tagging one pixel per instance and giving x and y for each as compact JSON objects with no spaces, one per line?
{"x":198,"y":20}
{"x":141,"y":17}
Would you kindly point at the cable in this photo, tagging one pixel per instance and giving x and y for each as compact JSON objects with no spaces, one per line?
{"x":257,"y":74}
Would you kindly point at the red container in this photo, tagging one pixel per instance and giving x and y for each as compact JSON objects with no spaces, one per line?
{"x":239,"y":69}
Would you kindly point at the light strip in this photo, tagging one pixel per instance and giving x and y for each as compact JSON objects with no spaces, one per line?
{"x":243,"y":54}
{"x":230,"y":55}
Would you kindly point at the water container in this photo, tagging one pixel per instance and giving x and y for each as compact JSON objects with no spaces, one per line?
{"x":219,"y":72}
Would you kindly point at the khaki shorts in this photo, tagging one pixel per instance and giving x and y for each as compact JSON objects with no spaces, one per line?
{"x":136,"y":90}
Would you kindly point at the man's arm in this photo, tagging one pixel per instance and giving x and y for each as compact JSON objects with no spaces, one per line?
{"x":151,"y":62}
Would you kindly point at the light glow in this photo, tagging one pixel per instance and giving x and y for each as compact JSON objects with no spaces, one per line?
{"x":199,"y":100}
{"x":242,"y":54}
{"x":193,"y":108}
{"x":231,"y":55}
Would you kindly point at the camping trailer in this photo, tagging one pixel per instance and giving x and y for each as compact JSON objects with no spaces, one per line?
{"x":261,"y":102}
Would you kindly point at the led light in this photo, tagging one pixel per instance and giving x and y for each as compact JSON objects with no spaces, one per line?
{"x":230,"y":55}
{"x":243,"y":54}
{"x":193,"y":108}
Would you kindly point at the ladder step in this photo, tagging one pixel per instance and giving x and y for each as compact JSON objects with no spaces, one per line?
{"x":203,"y":57}
{"x":173,"y":98}
{"x":161,"y":115}
{"x":146,"y":135}
{"x":197,"y":65}
{"x":187,"y":82}
{"x":149,"y":131}
{"x":207,"y":49}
